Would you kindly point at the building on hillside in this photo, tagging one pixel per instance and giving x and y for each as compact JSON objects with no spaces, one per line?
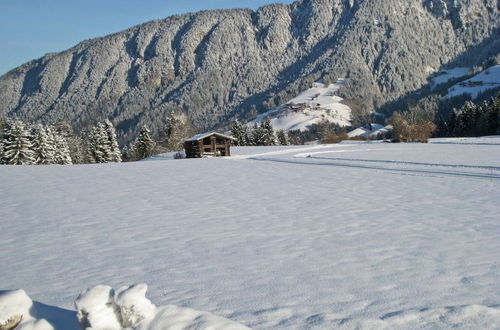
{"x":208,"y":145}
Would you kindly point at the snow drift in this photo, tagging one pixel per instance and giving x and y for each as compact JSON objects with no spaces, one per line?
{"x":101,"y":307}
{"x":16,"y":312}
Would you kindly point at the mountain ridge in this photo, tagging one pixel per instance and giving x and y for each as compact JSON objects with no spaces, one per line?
{"x":224,"y":64}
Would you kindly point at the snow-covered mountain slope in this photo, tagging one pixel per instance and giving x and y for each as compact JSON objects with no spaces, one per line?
{"x":347,"y":236}
{"x":443,"y":76}
{"x":483,"y":81}
{"x":224,"y":64}
{"x":310,"y":107}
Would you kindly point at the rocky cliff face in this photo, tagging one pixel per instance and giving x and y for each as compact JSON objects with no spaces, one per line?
{"x":218,"y":65}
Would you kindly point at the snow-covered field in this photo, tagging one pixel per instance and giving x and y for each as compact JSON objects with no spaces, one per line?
{"x":354,"y":235}
{"x":318,"y":103}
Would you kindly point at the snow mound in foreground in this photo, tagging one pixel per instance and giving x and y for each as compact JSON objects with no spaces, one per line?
{"x":15,"y":307}
{"x":96,"y":308}
{"x":103,"y":308}
{"x":133,"y":304}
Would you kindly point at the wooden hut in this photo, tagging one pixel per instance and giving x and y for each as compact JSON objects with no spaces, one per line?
{"x":208,"y":145}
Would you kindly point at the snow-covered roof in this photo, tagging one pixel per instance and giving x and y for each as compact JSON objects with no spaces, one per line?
{"x":360,"y":131}
{"x":376,"y":130}
{"x":204,"y":135}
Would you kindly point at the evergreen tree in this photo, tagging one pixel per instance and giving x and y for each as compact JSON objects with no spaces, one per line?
{"x":102,"y":145}
{"x":267,"y":132}
{"x":464,"y":119}
{"x":144,"y":146}
{"x":97,"y":145}
{"x":256,"y":135}
{"x":128,"y":153}
{"x":282,"y":137}
{"x":113,"y":152}
{"x":488,"y":122}
{"x":61,"y":148}
{"x":474,"y":120}
{"x":43,"y":146}
{"x":239,"y":133}
{"x":16,"y":144}
{"x":75,"y":144}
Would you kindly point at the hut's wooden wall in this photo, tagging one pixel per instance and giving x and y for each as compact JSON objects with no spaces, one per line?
{"x":208,"y":146}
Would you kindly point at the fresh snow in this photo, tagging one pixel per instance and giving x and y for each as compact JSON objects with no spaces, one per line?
{"x":310,"y":107}
{"x":354,"y":235}
{"x":483,"y":81}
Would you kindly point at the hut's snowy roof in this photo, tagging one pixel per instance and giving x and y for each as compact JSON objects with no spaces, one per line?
{"x":204,"y":135}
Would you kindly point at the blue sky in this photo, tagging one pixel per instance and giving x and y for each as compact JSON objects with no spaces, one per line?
{"x":31,"y":28}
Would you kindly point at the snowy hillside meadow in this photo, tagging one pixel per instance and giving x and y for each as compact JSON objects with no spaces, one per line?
{"x":347,"y":236}
{"x":481,"y":82}
{"x":315,"y":104}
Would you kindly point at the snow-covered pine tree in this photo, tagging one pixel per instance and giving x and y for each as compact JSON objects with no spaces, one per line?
{"x":128,"y":153}
{"x":282,"y":137}
{"x":239,"y":132}
{"x":92,"y":146}
{"x":268,"y":132}
{"x":75,"y":143}
{"x":61,"y":148}
{"x":16,"y":144}
{"x":256,"y":136}
{"x":114,"y":153}
{"x":144,"y":146}
{"x":104,"y":143}
{"x":98,"y":145}
{"x":43,"y":145}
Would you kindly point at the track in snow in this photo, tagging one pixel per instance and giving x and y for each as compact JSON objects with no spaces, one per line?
{"x":320,"y":158}
{"x":490,"y":172}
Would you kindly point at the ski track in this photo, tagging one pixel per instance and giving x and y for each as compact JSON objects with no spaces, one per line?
{"x":356,"y":164}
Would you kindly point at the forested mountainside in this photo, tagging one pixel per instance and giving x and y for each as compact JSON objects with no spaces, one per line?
{"x":224,"y":64}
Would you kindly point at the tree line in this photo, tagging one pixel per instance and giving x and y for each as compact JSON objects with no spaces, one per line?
{"x":476,"y":119}
{"x":37,"y":144}
{"x":435,"y":117}
{"x":260,"y":134}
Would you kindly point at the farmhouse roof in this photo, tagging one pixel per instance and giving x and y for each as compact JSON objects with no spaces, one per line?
{"x":204,"y":135}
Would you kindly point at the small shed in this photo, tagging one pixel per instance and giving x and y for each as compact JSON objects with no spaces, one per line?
{"x":208,"y":144}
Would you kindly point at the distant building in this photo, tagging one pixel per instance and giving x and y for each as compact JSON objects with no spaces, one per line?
{"x":208,"y":145}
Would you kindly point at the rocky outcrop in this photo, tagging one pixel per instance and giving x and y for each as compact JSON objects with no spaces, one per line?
{"x":218,"y":65}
